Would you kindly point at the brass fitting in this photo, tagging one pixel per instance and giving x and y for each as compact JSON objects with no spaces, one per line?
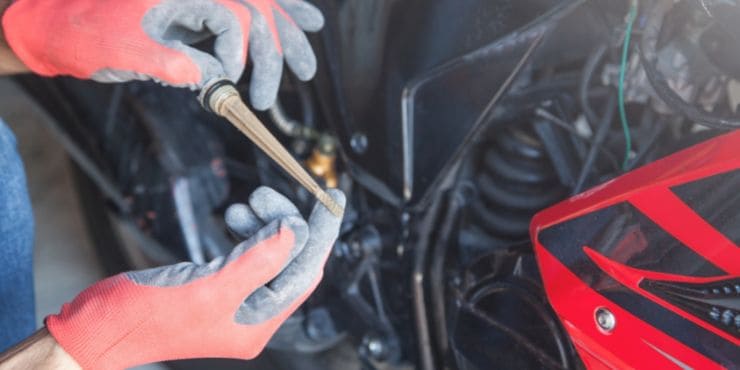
{"x":322,"y":162}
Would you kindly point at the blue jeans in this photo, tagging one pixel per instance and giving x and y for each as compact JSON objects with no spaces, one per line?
{"x":17,"y":312}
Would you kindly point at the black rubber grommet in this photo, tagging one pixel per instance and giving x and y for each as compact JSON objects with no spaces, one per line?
{"x":206,"y":96}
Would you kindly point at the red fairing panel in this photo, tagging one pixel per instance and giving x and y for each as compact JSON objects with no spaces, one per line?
{"x":658,"y":248}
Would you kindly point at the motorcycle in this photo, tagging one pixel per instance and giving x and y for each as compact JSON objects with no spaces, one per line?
{"x":450,"y":124}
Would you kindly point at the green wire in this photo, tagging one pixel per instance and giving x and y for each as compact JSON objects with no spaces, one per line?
{"x":622,"y":72}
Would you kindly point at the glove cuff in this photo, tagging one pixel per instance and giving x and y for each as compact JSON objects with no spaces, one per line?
{"x":89,"y":327}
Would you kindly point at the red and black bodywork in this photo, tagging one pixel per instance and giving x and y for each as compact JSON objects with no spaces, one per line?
{"x":657,"y":248}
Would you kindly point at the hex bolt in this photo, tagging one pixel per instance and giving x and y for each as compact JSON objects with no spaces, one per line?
{"x":605,"y":319}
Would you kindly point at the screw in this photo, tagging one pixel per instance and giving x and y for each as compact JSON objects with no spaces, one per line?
{"x":605,"y":319}
{"x":715,"y":313}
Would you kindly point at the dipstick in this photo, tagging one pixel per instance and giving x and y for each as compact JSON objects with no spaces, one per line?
{"x":222,"y":98}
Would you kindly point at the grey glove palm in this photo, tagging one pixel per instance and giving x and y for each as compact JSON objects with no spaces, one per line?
{"x":265,"y":205}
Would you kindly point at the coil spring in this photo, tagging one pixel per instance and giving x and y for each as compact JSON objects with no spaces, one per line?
{"x":515,"y":179}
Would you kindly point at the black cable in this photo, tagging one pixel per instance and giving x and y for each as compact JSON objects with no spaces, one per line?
{"x":603,"y":130}
{"x":111,"y":113}
{"x":543,"y":357}
{"x":308,"y":113}
{"x":676,"y":103}
{"x":593,"y":61}
{"x":648,"y":58}
{"x":549,"y":117}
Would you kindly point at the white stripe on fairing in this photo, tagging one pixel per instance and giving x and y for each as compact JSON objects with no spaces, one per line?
{"x":676,"y":361}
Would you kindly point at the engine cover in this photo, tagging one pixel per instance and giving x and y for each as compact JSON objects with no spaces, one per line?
{"x":644,"y":271}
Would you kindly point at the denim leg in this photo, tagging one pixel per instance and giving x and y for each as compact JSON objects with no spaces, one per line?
{"x":17,"y":311}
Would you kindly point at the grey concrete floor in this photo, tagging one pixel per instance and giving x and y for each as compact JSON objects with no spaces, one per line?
{"x":64,"y":260}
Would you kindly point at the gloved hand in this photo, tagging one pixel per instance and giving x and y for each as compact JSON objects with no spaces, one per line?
{"x":227,"y":308}
{"x":115,"y":40}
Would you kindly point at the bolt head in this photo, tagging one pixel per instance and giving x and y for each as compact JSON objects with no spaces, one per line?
{"x":714,"y":313}
{"x":358,"y":143}
{"x":375,"y":347}
{"x":605,"y":319}
{"x":728,"y":317}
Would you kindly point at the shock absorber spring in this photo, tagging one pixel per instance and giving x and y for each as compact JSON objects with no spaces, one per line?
{"x":514,"y":179}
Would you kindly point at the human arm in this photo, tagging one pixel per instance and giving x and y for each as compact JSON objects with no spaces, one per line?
{"x":9,"y":62}
{"x":40,"y":351}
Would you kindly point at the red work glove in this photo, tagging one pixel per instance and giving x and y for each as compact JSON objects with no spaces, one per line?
{"x":121,"y":40}
{"x":227,"y":308}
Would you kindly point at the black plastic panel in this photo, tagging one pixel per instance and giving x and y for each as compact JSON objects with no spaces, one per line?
{"x":717,"y":200}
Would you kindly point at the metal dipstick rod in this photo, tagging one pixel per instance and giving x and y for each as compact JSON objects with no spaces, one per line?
{"x":222,"y":98}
